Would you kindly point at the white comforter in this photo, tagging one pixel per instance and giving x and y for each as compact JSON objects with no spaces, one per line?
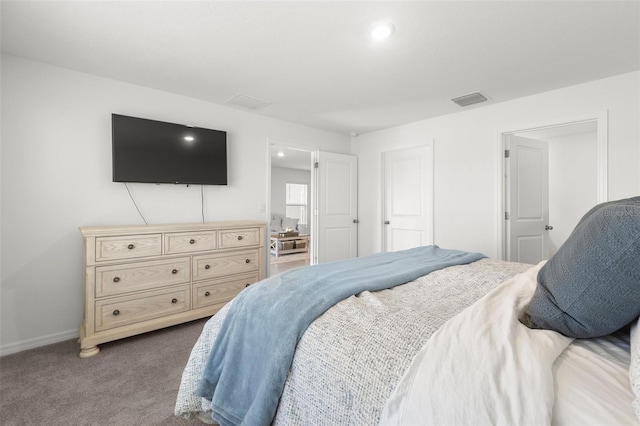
{"x":482,"y":367}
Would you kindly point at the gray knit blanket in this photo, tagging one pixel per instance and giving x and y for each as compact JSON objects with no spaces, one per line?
{"x":350,"y":359}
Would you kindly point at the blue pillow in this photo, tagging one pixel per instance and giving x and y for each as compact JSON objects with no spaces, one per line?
{"x":591,"y":286}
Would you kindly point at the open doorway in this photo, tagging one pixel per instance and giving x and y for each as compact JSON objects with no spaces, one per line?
{"x":551,"y":174}
{"x":290,"y":227}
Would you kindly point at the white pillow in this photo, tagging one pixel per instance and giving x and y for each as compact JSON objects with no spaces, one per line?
{"x":634,"y":368}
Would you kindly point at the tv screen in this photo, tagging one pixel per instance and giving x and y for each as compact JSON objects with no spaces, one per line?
{"x":152,"y":151}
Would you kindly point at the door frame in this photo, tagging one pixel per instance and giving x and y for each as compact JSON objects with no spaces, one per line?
{"x":313,"y":189}
{"x":601,"y":120}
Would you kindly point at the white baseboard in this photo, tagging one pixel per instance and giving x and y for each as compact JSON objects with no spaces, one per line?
{"x":23,"y":345}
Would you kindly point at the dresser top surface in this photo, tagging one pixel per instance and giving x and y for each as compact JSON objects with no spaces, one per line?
{"x":91,"y":231}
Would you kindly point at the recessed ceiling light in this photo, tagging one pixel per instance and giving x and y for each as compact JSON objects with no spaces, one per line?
{"x":188,"y":138}
{"x":280,"y":154}
{"x":381,"y":31}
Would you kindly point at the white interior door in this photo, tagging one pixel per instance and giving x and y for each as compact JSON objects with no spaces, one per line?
{"x":528,"y":199}
{"x":408,"y":195}
{"x":337,"y":207}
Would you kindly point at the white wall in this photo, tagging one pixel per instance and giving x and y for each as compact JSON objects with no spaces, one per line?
{"x":573,"y":183}
{"x":56,"y":176}
{"x":466,"y":158}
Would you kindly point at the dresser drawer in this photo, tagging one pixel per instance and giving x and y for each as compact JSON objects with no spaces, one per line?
{"x":221,"y":290}
{"x":232,"y":238}
{"x":128,"y":247}
{"x":118,"y":279}
{"x":189,"y":242}
{"x":120,"y":311}
{"x":220,"y":264}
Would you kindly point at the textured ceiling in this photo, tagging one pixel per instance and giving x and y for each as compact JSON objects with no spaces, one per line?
{"x":314,"y":61}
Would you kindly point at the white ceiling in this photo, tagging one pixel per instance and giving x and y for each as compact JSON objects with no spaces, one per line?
{"x":315,"y":62}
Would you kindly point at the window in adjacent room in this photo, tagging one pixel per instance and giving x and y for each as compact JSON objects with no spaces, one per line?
{"x":296,"y":202}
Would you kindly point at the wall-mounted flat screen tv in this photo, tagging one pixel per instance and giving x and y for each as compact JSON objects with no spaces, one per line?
{"x":152,"y":151}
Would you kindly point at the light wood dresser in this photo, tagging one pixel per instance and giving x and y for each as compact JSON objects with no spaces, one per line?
{"x":142,"y":278}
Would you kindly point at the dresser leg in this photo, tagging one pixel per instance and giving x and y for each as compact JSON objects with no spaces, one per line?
{"x":89,"y":352}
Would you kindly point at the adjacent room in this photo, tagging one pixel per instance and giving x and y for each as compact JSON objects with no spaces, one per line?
{"x":319,"y":212}
{"x":289,"y":240}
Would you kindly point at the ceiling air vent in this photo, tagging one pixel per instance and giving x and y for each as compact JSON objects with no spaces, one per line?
{"x":248,"y":102}
{"x":470,"y":99}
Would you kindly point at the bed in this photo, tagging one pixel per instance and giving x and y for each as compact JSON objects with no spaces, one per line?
{"x":423,"y":352}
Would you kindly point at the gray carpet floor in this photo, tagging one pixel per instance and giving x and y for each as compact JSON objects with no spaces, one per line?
{"x":132,"y":381}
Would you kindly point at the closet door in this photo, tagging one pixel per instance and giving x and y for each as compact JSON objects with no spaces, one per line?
{"x":337,"y":207}
{"x":407,"y":198}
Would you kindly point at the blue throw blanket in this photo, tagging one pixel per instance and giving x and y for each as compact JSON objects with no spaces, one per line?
{"x":253,"y":351}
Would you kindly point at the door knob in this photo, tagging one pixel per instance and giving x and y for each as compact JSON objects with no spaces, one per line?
{"x":386,"y":222}
{"x":548,"y":227}
{"x":356,"y":221}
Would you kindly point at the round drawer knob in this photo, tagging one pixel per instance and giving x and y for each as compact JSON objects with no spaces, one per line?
{"x":131,"y":246}
{"x":247,"y":261}
{"x":174,"y":300}
{"x":174,"y":271}
{"x":192,"y":241}
{"x":116,"y":279}
{"x":116,"y":312}
{"x":207,"y":294}
{"x":247,"y":285}
{"x":207,"y":266}
{"x":239,"y":237}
